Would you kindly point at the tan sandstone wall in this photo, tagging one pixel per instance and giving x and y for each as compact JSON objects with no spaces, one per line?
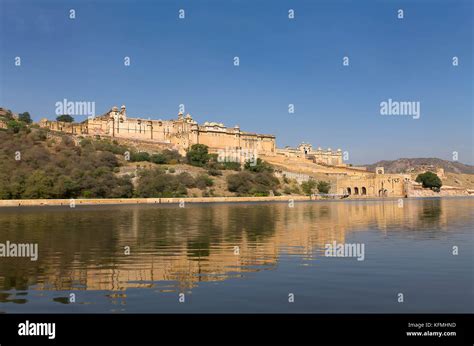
{"x":181,"y":133}
{"x":385,"y":185}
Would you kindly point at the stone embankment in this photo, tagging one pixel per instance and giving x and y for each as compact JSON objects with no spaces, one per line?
{"x":113,"y":201}
{"x":128,"y":201}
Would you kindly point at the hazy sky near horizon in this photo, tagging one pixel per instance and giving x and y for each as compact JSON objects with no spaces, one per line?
{"x":282,"y":61}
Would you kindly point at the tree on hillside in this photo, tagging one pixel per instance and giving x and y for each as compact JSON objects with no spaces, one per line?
{"x":56,"y":169}
{"x":429,"y":180}
{"x":38,"y":184}
{"x":156,"y":183}
{"x":258,"y":166}
{"x":15,"y":126}
{"x":323,"y":187}
{"x":198,"y":155}
{"x":66,"y":118}
{"x":25,"y":117}
{"x":308,"y":186}
{"x":139,"y":156}
{"x":252,"y":184}
{"x":9,"y":115}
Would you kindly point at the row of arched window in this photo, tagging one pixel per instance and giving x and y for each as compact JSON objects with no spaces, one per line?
{"x":362,"y":191}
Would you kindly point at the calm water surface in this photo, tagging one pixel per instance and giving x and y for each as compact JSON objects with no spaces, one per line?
{"x":241,"y":257}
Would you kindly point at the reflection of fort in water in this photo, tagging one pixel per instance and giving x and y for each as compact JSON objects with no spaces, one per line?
{"x":183,"y":246}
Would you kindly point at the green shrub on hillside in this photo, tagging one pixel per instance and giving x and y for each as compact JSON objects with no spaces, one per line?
{"x":166,"y":157}
{"x":214,"y":172}
{"x":158,"y":159}
{"x":202,"y":181}
{"x":139,"y":156}
{"x":25,"y":117}
{"x":258,"y":166}
{"x":198,"y":155}
{"x":65,"y":118}
{"x":308,"y":186}
{"x":186,"y":179}
{"x":231,"y":166}
{"x":15,"y":126}
{"x":252,"y":184}
{"x":323,"y":187}
{"x":156,"y":183}
{"x":103,"y":145}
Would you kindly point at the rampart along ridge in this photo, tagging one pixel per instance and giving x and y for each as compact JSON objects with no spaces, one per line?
{"x":181,"y":133}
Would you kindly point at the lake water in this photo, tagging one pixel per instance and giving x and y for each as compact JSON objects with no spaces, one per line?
{"x":241,"y":257}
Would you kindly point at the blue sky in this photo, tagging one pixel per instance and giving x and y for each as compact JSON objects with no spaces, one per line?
{"x":282,"y":61}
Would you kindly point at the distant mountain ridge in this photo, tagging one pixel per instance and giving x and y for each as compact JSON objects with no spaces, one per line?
{"x":405,"y":165}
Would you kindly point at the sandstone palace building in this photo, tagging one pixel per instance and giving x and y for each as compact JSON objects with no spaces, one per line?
{"x":323,"y":157}
{"x":301,"y":162}
{"x":180,"y":133}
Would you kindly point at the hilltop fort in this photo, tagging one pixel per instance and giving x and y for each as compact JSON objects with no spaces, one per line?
{"x":301,"y":163}
{"x":180,"y":134}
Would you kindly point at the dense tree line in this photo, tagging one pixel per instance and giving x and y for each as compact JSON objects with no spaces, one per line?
{"x":157,"y":183}
{"x":255,"y":179}
{"x":198,"y":155}
{"x":311,"y":186}
{"x":35,"y":167}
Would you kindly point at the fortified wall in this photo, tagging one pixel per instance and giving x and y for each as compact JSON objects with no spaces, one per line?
{"x":323,"y":157}
{"x":376,"y":184}
{"x":180,"y":133}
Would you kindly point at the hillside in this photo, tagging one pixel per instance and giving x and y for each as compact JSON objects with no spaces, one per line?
{"x":37,"y":163}
{"x":406,"y":165}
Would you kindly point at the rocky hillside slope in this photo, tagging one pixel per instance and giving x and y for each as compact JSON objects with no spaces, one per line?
{"x":405,"y":165}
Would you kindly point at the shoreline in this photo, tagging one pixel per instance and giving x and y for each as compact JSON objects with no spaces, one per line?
{"x":16,"y":203}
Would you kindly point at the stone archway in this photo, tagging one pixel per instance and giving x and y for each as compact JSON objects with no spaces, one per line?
{"x":356,"y":190}
{"x":364,"y":191}
{"x":349,"y":191}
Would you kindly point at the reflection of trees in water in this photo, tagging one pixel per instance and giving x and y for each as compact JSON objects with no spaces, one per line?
{"x":162,"y":227}
{"x":64,"y":238}
{"x":77,"y":246}
{"x":95,"y":237}
{"x":12,"y":298}
{"x":430,"y":212}
{"x":257,"y":222}
{"x":324,"y":212}
{"x":202,"y":227}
